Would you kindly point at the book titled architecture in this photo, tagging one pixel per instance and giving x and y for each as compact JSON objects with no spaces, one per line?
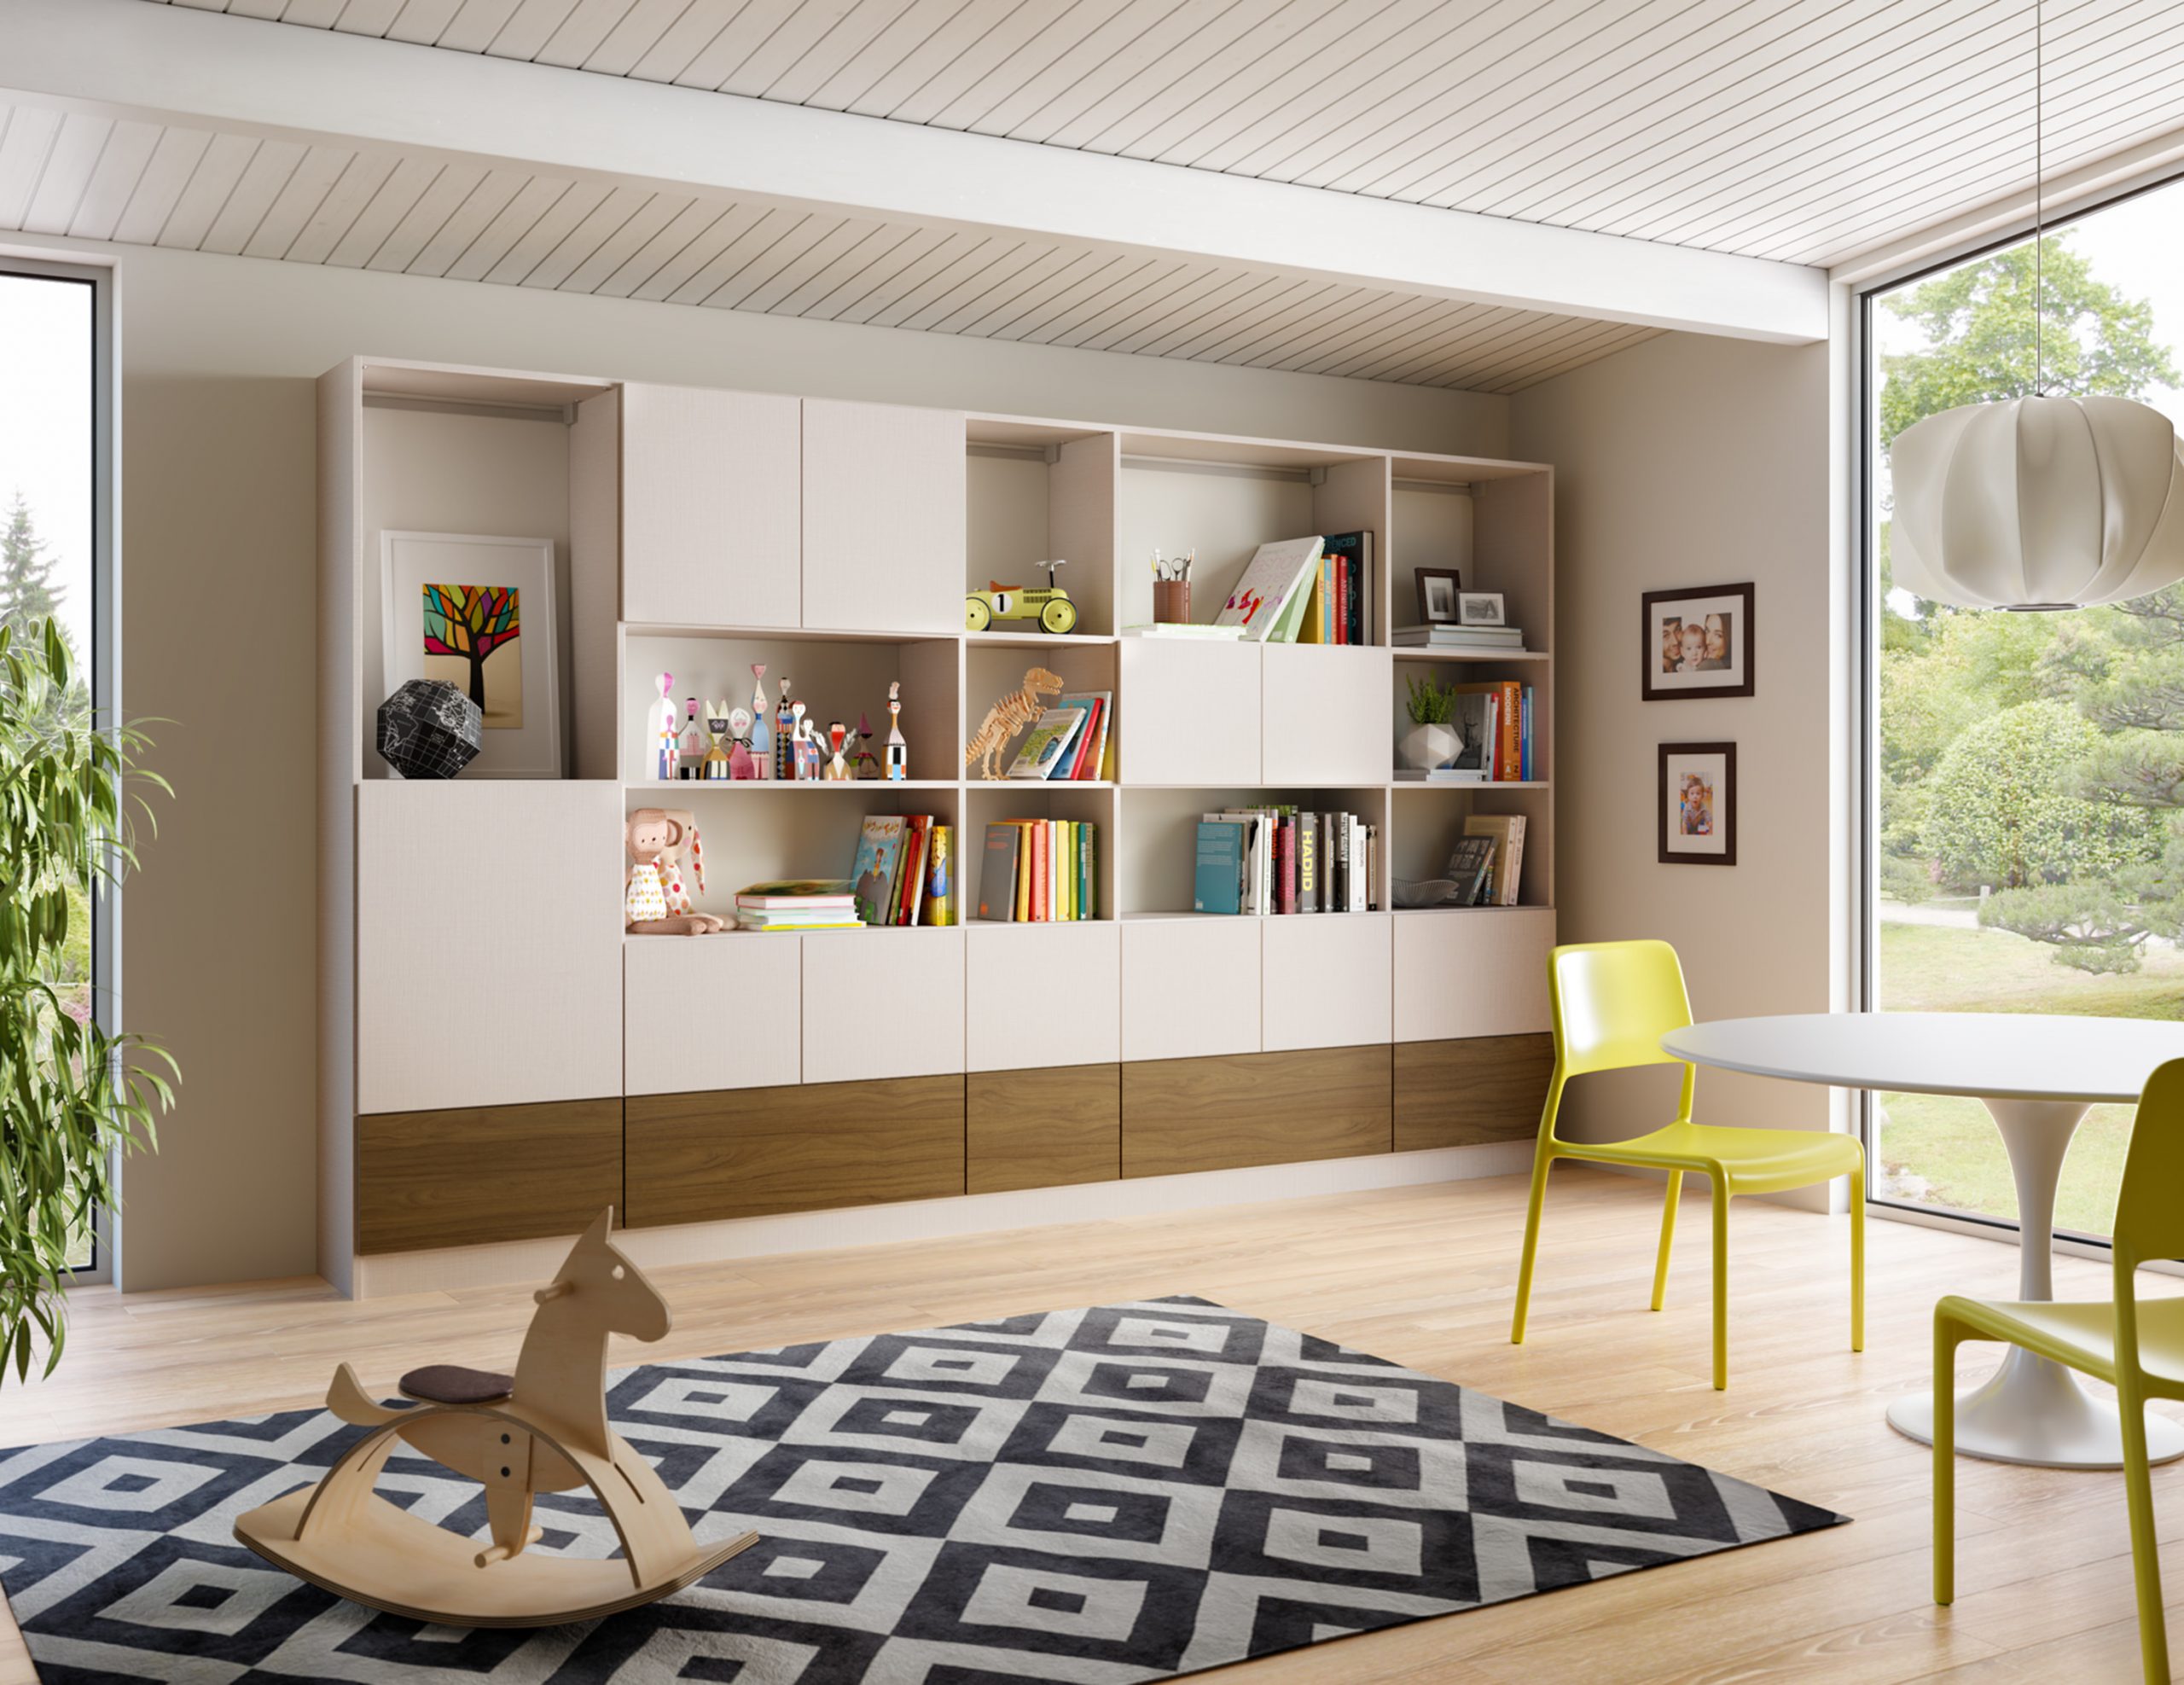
{"x":997,"y":872}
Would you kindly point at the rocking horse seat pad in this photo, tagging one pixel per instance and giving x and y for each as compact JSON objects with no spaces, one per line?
{"x":452,"y":1384}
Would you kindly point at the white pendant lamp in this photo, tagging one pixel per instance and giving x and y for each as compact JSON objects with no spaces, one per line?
{"x":2038,"y":503}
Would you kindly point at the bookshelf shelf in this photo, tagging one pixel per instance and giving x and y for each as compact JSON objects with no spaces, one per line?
{"x":884,"y":517}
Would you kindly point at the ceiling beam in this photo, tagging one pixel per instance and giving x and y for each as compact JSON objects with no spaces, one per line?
{"x":178,"y":64}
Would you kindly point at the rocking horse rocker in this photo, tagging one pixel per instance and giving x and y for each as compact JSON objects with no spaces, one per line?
{"x":544,"y":1429}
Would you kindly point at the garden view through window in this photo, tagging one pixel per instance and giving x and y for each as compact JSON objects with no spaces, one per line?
{"x":2030,"y":823}
{"x":47,"y":518}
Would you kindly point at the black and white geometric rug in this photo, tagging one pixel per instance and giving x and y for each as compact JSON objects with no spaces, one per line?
{"x":1092,"y":1497}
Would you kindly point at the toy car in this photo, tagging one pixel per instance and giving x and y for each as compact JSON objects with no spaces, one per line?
{"x":1049,"y":604}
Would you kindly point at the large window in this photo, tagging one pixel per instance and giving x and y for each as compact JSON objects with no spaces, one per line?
{"x":2028,"y":844}
{"x":51,"y":486}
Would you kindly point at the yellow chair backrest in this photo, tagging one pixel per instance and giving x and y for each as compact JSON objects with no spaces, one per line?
{"x":2149,"y":1214}
{"x":1613,"y":1001}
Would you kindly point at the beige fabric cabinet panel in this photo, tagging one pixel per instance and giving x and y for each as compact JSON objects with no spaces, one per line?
{"x":712,"y":517}
{"x":881,"y":1002}
{"x":884,"y":518}
{"x":1190,"y":987}
{"x":489,"y":942}
{"x":1076,"y":969}
{"x":1323,"y":709}
{"x":687,"y":1002}
{"x":1325,"y":980}
{"x":1471,"y":972}
{"x":1191,"y":711}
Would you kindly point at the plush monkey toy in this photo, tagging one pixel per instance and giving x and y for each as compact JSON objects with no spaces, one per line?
{"x":654,"y":903}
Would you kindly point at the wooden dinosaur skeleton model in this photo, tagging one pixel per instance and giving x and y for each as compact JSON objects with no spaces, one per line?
{"x":1014,"y":712}
{"x":544,"y":1429}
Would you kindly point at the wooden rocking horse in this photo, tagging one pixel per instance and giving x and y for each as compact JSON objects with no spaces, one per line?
{"x":544,"y":1429}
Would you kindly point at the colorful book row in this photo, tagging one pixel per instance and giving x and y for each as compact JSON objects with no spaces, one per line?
{"x":904,"y":873}
{"x":1270,"y":861}
{"x":1040,"y":870}
{"x":1496,"y":720}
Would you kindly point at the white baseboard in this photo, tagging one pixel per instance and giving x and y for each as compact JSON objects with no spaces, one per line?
{"x":520,"y":1261}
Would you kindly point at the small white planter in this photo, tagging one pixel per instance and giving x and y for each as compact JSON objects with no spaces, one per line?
{"x":1426,"y":747}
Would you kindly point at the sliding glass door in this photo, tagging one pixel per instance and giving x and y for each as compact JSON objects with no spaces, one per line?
{"x":2027,"y":852}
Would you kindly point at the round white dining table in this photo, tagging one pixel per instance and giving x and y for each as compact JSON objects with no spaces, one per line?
{"x":2038,"y":1074}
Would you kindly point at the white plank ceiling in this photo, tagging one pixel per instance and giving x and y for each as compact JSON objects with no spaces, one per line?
{"x":1805,"y":130}
{"x":147,"y":184}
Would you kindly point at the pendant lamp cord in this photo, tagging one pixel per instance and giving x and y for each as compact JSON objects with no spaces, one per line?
{"x":2039,"y":210}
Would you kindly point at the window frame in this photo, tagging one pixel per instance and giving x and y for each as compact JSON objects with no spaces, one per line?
{"x":106,"y":643}
{"x":1865,"y":384}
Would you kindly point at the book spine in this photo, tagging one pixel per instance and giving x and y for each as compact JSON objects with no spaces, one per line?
{"x":1023,"y":871}
{"x":940,"y":877}
{"x":1512,"y":730}
{"x":997,"y":874}
{"x":1308,"y":862}
{"x":1525,"y":771}
{"x":1090,"y":869}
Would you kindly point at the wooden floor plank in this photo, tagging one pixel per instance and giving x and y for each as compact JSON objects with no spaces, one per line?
{"x":1422,"y":1276}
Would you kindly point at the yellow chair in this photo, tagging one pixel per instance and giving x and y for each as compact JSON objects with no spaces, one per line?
{"x":2139,"y":1350}
{"x":1613,"y":1001}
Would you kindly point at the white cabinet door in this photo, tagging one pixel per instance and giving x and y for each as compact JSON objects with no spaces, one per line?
{"x":882,"y":1003}
{"x":489,"y":942}
{"x":1325,"y":713}
{"x":711,"y":515}
{"x":689,"y":1003}
{"x":883,"y":493}
{"x":1327,"y":980}
{"x":1189,"y":712}
{"x":1190,"y":987}
{"x":1471,"y":972}
{"x":1037,"y":995}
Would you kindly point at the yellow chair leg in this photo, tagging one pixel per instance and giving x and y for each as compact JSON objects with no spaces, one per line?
{"x":1944,"y":1461}
{"x":2145,"y":1564}
{"x":1858,"y":1263}
{"x":1668,"y":1239}
{"x":1721,"y":1282}
{"x":1542,"y":1162}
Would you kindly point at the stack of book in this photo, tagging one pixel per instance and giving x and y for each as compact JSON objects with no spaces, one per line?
{"x":796,"y":904}
{"x":1039,"y":870}
{"x":1500,"y":640}
{"x":1496,"y":722}
{"x":1070,"y":741}
{"x":902,"y":874}
{"x":1268,"y":860}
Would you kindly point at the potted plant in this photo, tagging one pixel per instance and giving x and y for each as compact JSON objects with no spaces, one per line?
{"x":73,"y":1095}
{"x":1432,"y":741}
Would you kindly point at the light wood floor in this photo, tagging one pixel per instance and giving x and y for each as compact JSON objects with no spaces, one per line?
{"x":1421,"y":1277}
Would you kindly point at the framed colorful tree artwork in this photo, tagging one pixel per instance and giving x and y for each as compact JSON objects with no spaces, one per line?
{"x":477,"y":612}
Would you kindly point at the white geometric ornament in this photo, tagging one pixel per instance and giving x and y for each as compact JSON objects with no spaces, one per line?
{"x":2039,"y":503}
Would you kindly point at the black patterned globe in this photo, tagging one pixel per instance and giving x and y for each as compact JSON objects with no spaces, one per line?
{"x":430,"y":729}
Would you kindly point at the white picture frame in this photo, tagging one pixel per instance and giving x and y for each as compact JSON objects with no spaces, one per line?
{"x":530,"y":746}
{"x":1480,"y":608}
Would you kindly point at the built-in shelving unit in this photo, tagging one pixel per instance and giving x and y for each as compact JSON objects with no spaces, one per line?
{"x":700,"y":533}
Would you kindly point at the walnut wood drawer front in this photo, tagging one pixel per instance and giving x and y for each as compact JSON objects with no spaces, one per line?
{"x":1482,"y":1088}
{"x":1042,"y":1128}
{"x":694,"y":1158}
{"x":1257,"y":1108}
{"x":476,"y":1174}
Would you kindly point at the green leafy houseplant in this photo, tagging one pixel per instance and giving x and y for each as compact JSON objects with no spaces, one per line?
{"x":1430,"y":704}
{"x":72,"y":1097}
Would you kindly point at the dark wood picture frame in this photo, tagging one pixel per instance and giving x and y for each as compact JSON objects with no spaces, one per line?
{"x":1725,"y":805}
{"x":1426,"y":617}
{"x":1651,"y":686}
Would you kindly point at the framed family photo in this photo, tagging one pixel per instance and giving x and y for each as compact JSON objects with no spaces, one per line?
{"x":1699,"y":804}
{"x":1696,"y":642}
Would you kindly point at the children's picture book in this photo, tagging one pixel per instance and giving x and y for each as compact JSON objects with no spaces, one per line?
{"x":879,"y":858}
{"x":1268,"y":590}
{"x":797,"y":892}
{"x":997,"y":872}
{"x":1044,"y":750}
{"x":1090,"y":752}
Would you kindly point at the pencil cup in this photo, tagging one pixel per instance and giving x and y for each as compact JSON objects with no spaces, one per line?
{"x":1171,"y":602}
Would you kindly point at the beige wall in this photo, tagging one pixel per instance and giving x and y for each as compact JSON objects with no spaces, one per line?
{"x":1691,"y":460}
{"x":219,"y":357}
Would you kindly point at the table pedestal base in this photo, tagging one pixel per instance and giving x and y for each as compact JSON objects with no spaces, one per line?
{"x":2033,"y":1411}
